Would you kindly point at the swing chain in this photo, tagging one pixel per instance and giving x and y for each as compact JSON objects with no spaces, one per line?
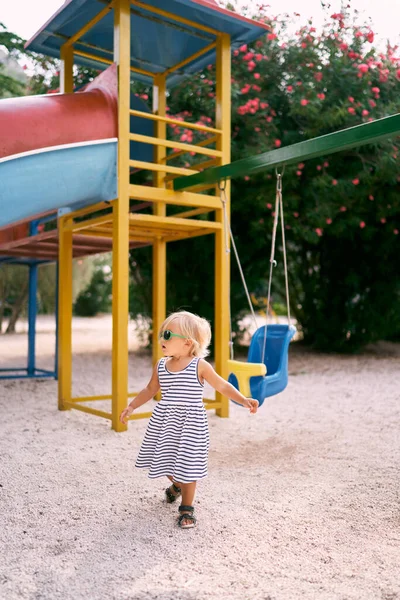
{"x":228,"y":233}
{"x":273,"y":263}
{"x":225,"y":218}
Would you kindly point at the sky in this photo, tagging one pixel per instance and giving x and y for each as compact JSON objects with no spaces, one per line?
{"x":25,"y":17}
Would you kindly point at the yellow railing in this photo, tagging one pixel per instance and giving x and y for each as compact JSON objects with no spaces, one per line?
{"x":75,"y":403}
{"x":172,"y":121}
{"x":180,"y":148}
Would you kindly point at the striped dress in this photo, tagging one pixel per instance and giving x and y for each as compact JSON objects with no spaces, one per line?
{"x":176,"y":441}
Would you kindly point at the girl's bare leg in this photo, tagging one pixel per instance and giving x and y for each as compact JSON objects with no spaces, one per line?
{"x":188,"y":493}
{"x":172,"y":490}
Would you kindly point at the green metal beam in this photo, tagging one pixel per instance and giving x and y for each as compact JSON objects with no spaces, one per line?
{"x":367,"y":133}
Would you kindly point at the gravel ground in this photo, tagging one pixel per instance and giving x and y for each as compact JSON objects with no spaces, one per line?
{"x":302,"y":499}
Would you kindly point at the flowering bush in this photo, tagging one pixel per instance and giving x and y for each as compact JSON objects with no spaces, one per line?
{"x":341,"y":211}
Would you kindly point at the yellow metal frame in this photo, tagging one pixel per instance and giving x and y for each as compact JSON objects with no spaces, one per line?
{"x":172,"y":121}
{"x":164,"y":13}
{"x":187,"y":61}
{"x":145,"y":139}
{"x":156,"y":229}
{"x":89,"y":24}
{"x":222,"y":264}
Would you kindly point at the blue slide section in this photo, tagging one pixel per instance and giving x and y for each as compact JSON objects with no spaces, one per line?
{"x":64,"y":176}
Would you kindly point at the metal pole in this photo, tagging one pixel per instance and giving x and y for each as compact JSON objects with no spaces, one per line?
{"x":32,"y":313}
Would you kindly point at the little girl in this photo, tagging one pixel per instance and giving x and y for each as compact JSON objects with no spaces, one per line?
{"x":176,"y":442}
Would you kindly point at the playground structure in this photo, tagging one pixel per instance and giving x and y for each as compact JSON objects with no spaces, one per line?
{"x":201,"y":34}
{"x":190,"y":35}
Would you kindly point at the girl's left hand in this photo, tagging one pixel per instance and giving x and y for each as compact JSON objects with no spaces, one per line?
{"x":251,"y":404}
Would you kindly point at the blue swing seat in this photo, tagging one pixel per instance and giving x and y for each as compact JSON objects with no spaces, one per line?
{"x":275,"y":359}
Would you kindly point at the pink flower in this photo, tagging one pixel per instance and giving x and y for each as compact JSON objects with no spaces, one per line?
{"x":350,"y":99}
{"x":319,"y":231}
{"x":355,"y":181}
{"x":370,"y":37}
{"x":298,"y":173}
{"x":318,"y":76}
{"x":351,"y":110}
{"x":246,"y":178}
{"x":248,"y":56}
{"x":334,"y":182}
{"x":371,"y":197}
{"x":269,"y":205}
{"x":372,"y":103}
{"x":319,"y":167}
{"x":362,"y":224}
{"x":289,"y":88}
{"x":259,"y":57}
{"x":257,"y":75}
{"x":296,"y":215}
{"x":257,"y":129}
{"x":329,"y":221}
{"x":321,"y":96}
{"x":363,"y":68}
{"x":251,"y":66}
{"x":343,"y":46}
{"x":303,"y":45}
{"x":375,"y":90}
{"x":301,"y":166}
{"x":243,"y":48}
{"x":398,"y":73}
{"x":326,"y":164}
{"x":396,"y":231}
{"x":343,"y":209}
{"x":278,"y":143}
{"x":304,"y":102}
{"x":365,"y":113}
{"x":383,"y":220}
{"x":271,"y":36}
{"x":269,"y":119}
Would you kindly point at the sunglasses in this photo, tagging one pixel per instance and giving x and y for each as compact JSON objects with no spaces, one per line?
{"x":167,"y":335}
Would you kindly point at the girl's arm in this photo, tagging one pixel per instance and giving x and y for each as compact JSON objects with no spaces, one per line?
{"x":207,"y":372}
{"x":144,"y":396}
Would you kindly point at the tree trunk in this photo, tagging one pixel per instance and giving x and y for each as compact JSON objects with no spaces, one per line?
{"x":17,"y":309}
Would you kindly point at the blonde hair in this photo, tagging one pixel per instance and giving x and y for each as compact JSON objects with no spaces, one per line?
{"x":195,"y":328}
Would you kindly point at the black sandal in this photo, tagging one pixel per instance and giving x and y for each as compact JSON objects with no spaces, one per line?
{"x":187,"y":515}
{"x":170,"y":496}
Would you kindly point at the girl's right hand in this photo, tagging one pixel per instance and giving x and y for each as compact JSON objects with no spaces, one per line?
{"x":125,"y":414}
{"x":251,"y":404}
